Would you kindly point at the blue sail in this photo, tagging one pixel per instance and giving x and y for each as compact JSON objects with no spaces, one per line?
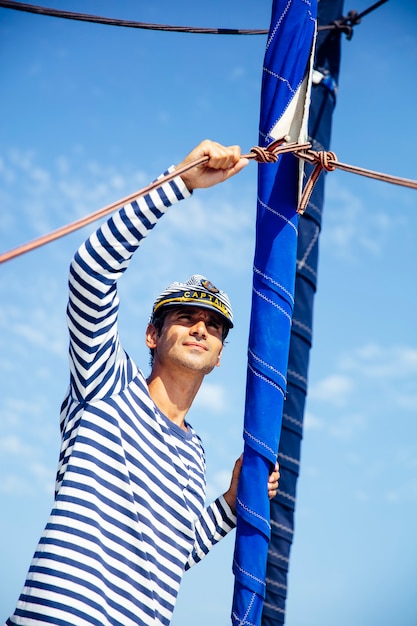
{"x":284,"y":111}
{"x":323,"y":100}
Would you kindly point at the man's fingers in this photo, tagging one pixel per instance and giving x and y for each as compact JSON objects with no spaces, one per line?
{"x":274,"y":475}
{"x":235,"y":169}
{"x":273,"y":482}
{"x":223,"y":162}
{"x":223,"y":157}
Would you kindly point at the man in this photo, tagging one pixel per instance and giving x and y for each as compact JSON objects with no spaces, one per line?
{"x":128,"y":515}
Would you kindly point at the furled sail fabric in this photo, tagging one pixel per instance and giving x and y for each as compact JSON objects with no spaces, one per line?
{"x":284,"y":110}
{"x":323,"y":100}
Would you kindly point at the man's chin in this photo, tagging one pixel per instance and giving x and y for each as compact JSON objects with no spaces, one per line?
{"x":196,"y":363}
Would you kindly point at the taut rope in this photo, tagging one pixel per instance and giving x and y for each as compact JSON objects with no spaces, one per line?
{"x":270,"y":154}
{"x":344,"y":25}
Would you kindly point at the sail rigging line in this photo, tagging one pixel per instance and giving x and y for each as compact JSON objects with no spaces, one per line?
{"x":257,"y":153}
{"x":328,"y":161}
{"x":353,"y":18}
{"x":345,"y":24}
{"x":322,"y":160}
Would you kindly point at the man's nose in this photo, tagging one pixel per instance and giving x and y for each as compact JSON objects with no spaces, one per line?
{"x":199,"y":329}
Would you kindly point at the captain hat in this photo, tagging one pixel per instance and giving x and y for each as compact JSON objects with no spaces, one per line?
{"x":196,"y":291}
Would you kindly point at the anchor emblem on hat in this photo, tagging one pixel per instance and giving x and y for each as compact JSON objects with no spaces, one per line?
{"x":209,"y":286}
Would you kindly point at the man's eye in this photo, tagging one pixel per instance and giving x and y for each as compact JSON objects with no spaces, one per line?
{"x":215,"y":325}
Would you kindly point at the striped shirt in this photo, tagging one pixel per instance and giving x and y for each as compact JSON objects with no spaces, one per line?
{"x":128,"y":515}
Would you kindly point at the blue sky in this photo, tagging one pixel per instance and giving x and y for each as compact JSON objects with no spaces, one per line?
{"x":89,"y":114}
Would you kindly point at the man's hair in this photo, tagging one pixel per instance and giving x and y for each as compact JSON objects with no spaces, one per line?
{"x":159,"y":320}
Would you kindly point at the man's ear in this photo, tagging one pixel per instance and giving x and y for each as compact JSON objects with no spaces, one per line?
{"x":219,"y":357}
{"x":151,"y":336}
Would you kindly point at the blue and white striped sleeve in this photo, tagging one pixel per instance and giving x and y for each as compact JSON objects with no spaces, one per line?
{"x":216,"y":521}
{"x":98,"y":364}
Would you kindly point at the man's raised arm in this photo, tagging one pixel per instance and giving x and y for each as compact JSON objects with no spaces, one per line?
{"x":98,"y":365}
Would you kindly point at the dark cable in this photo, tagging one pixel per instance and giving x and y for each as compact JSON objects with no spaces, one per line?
{"x":345,"y":24}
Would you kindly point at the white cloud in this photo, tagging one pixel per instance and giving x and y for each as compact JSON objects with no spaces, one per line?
{"x":39,"y":328}
{"x":12,"y":484}
{"x":238,"y":72}
{"x":74,"y":187}
{"x":35,"y":478}
{"x":387,"y":374}
{"x":20,"y":470}
{"x":211,"y":397}
{"x":342,"y":427}
{"x":406,"y":401}
{"x":14,"y":408}
{"x":214,"y":224}
{"x":312,"y":422}
{"x":218,"y":484}
{"x":15,"y":446}
{"x":7,"y":173}
{"x":45,"y":476}
{"x":351,"y":226}
{"x":342,"y":223}
{"x":405,"y":492}
{"x":376,"y":361}
{"x":334,"y":389}
{"x":50,"y":198}
{"x":361,"y":495}
{"x":347,"y":427}
{"x":37,"y":337}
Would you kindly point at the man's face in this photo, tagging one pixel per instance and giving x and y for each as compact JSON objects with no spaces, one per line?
{"x":191,"y":339}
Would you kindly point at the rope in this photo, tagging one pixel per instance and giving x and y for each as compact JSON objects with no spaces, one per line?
{"x":261,"y":154}
{"x":270,"y":154}
{"x":353,"y":18}
{"x":83,"y":17}
{"x":345,"y":24}
{"x":328,"y":161}
{"x":324,"y":161}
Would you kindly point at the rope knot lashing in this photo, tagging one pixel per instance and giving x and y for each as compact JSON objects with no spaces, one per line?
{"x":346,"y":23}
{"x":271,"y":152}
{"x":263,"y":155}
{"x":324,"y":159}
